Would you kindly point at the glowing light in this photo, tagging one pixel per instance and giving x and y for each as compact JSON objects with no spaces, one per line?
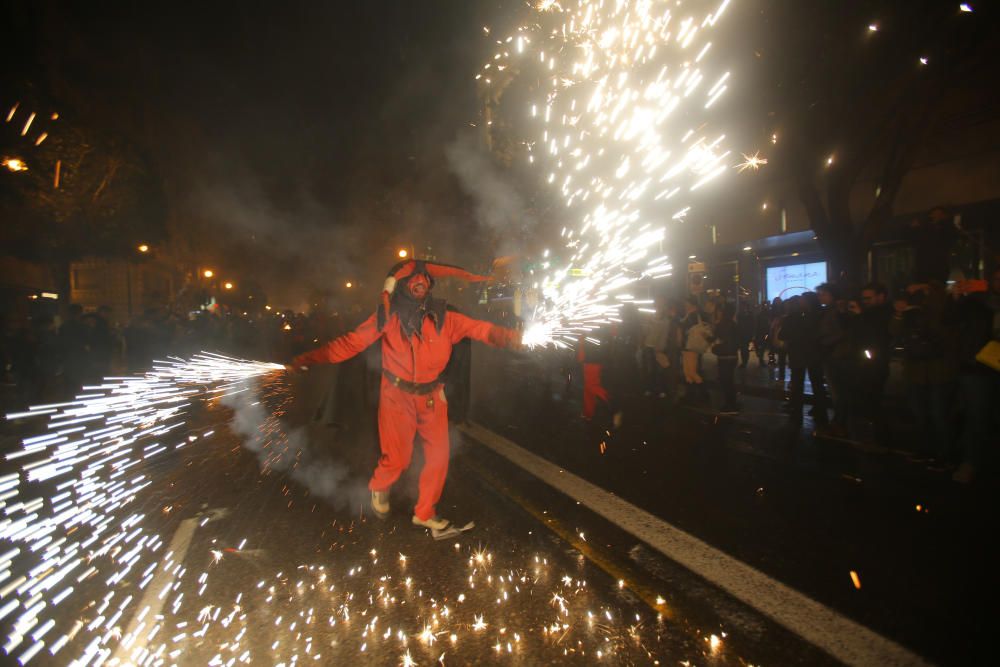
{"x":763,"y":206}
{"x":872,"y":27}
{"x":965,"y":7}
{"x":829,"y":160}
{"x":143,"y":247}
{"x":754,"y":162}
{"x":13,"y":110}
{"x":923,"y":60}
{"x":27,"y":124}
{"x":856,"y":580}
{"x":348,"y":284}
{"x":228,"y":285}
{"x":403,"y":253}
{"x":208,"y":273}
{"x":15,"y":164}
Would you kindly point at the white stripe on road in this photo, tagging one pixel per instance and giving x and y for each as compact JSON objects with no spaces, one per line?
{"x":154,"y":598}
{"x":842,"y":638}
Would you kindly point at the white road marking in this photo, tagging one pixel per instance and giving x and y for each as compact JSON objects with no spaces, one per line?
{"x":154,"y":597}
{"x":844,"y":639}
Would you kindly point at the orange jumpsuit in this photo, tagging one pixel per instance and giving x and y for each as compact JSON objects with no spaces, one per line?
{"x":402,"y":415}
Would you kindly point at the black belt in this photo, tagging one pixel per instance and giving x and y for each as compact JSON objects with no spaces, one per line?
{"x":419,"y":388}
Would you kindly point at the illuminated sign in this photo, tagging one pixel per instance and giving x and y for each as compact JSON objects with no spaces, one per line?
{"x":787,"y":281}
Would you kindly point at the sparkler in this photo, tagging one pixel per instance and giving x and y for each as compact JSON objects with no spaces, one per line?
{"x":618,"y":126}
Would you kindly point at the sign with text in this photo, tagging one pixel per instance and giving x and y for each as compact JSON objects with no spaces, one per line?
{"x":787,"y":281}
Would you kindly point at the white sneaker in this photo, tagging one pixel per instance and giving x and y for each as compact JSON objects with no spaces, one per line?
{"x":380,"y":503}
{"x":434,"y":523}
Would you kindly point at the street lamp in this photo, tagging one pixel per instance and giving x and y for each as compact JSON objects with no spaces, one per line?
{"x":228,"y":285}
{"x":403,"y":253}
{"x":208,"y":273}
{"x":349,"y":284}
{"x":143,"y":247}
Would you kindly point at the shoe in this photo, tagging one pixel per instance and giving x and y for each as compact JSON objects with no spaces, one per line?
{"x":380,"y":504}
{"x":434,"y":523}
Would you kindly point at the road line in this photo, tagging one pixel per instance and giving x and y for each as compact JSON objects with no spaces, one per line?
{"x":844,"y":639}
{"x":164,"y":578}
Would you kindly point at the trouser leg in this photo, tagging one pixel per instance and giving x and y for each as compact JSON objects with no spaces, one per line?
{"x":820,"y":402}
{"x":593,"y":389}
{"x":397,"y":426}
{"x":432,"y":425}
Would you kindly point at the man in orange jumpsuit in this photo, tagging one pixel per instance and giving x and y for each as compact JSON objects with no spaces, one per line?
{"x":417,"y":333}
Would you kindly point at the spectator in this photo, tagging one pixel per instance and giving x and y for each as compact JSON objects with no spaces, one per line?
{"x":75,"y":351}
{"x":838,"y":357}
{"x":674,"y":347}
{"x":872,"y":343}
{"x":778,"y":355}
{"x":103,"y":342}
{"x":761,"y":327}
{"x":697,"y":341}
{"x":977,"y":383}
{"x":922,"y":324}
{"x":801,"y":331}
{"x":725,"y":349}
{"x":654,"y":344}
{"x":745,"y":330}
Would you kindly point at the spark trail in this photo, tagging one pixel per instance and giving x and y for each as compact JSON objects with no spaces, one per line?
{"x":620,"y":122}
{"x":71,"y":515}
{"x":80,"y":557}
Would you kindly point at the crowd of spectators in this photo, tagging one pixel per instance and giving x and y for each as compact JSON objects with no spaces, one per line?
{"x":47,"y":358}
{"x":844,"y":343}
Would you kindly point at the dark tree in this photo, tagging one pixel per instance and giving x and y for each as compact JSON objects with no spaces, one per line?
{"x":852,"y":103}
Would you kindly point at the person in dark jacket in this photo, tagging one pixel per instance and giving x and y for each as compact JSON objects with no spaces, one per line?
{"x":872,"y":344}
{"x":838,"y":357}
{"x":727,"y":342}
{"x":922,"y":324}
{"x":801,"y":332}
{"x":977,"y":383}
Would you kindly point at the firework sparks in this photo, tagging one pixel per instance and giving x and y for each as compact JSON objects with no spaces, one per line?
{"x":619,"y":128}
{"x":752,"y":162}
{"x":93,"y":460}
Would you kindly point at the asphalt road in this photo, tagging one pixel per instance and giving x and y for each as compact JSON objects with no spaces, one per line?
{"x":220,"y":553}
{"x":238,"y":533}
{"x":806,"y":512}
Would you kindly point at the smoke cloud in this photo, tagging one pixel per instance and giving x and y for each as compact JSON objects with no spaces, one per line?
{"x":286,"y":450}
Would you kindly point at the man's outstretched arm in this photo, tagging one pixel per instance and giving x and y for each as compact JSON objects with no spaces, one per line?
{"x":460,"y":326}
{"x":342,"y":348}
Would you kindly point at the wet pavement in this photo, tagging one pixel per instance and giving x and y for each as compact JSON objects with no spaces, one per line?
{"x":882,"y":540}
{"x":239,"y":538}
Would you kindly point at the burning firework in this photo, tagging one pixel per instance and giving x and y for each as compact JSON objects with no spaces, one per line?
{"x":619,"y":127}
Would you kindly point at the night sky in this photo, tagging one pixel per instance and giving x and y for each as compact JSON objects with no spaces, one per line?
{"x":279,"y":131}
{"x":299,"y":145}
